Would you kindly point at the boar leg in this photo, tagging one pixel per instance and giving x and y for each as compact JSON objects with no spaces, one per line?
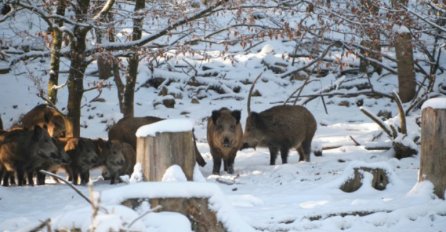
{"x":284,"y":154}
{"x":273,"y":154}
{"x":85,"y":177}
{"x":304,"y":151}
{"x":229,"y":165}
{"x":40,"y":178}
{"x":74,"y":176}
{"x":6,"y":177}
{"x":30,"y":177}
{"x":217,"y":165}
{"x":20,"y":176}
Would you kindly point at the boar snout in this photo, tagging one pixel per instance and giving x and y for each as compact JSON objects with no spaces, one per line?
{"x":226,"y":142}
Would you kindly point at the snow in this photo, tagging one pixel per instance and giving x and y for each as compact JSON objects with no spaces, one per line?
{"x":297,"y":196}
{"x":435,"y":103}
{"x":168,"y":125}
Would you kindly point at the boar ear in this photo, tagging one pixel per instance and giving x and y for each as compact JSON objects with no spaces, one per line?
{"x":215,"y":115}
{"x":236,"y":114}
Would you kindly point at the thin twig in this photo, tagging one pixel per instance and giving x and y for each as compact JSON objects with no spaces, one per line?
{"x":354,"y":140}
{"x":158,"y":207}
{"x":41,"y":225}
{"x":68,"y":183}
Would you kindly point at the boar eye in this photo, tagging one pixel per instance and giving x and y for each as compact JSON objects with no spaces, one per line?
{"x":219,"y":127}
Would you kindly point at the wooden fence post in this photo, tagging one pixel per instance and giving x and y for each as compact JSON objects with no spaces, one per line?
{"x":168,"y":142}
{"x":433,"y":144}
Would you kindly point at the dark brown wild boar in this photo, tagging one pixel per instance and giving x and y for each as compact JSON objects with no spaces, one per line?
{"x":125,"y":130}
{"x":280,"y":128}
{"x":83,"y":157}
{"x":23,"y":151}
{"x":118,"y":157}
{"x":224,"y":135}
{"x":46,"y":116}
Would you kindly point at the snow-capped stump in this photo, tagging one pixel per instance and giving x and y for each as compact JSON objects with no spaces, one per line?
{"x":165,"y":143}
{"x":202,"y":203}
{"x":433,"y":145}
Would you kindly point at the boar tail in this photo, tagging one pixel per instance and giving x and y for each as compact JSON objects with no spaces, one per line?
{"x":250,"y":93}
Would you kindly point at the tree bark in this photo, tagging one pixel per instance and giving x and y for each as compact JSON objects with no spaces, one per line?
{"x":433,"y":149}
{"x":157,"y":154}
{"x":195,"y":209}
{"x":133,"y":61}
{"x":404,"y":53}
{"x":76,"y":79}
{"x":77,"y":67}
{"x":56,"y":45}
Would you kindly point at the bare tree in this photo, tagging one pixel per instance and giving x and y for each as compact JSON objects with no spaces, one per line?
{"x":404,"y":51}
{"x":56,"y":45}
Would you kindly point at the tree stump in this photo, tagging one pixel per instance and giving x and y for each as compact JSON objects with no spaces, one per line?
{"x":195,"y":209}
{"x":433,"y":145}
{"x":379,"y":181}
{"x":164,"y":146}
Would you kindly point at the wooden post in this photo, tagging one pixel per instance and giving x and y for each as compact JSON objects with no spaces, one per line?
{"x":433,"y":147}
{"x":157,"y":153}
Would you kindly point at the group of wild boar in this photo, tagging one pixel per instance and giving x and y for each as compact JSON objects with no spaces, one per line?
{"x":279,"y":128}
{"x":42,"y":139}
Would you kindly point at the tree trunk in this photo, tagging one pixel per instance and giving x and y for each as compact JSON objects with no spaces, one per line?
{"x":433,"y":149}
{"x":195,"y":209}
{"x":77,"y":67}
{"x":56,"y":45}
{"x":76,"y":79}
{"x":133,"y":61}
{"x":372,"y":41}
{"x":157,"y":154}
{"x":404,"y":53}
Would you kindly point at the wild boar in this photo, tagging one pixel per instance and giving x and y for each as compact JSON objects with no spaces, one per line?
{"x":224,"y":135}
{"x":23,"y":151}
{"x":46,"y":116}
{"x":280,"y":128}
{"x":125,"y":130}
{"x":119,"y":159}
{"x":83,"y":156}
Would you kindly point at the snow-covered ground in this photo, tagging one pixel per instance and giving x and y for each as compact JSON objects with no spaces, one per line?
{"x":298,"y":196}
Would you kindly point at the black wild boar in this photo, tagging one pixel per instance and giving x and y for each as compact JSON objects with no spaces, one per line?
{"x":83,"y":157}
{"x":224,"y":135}
{"x":23,"y":151}
{"x":281,"y":128}
{"x":125,"y":129}
{"x":46,"y":116}
{"x":119,"y":159}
